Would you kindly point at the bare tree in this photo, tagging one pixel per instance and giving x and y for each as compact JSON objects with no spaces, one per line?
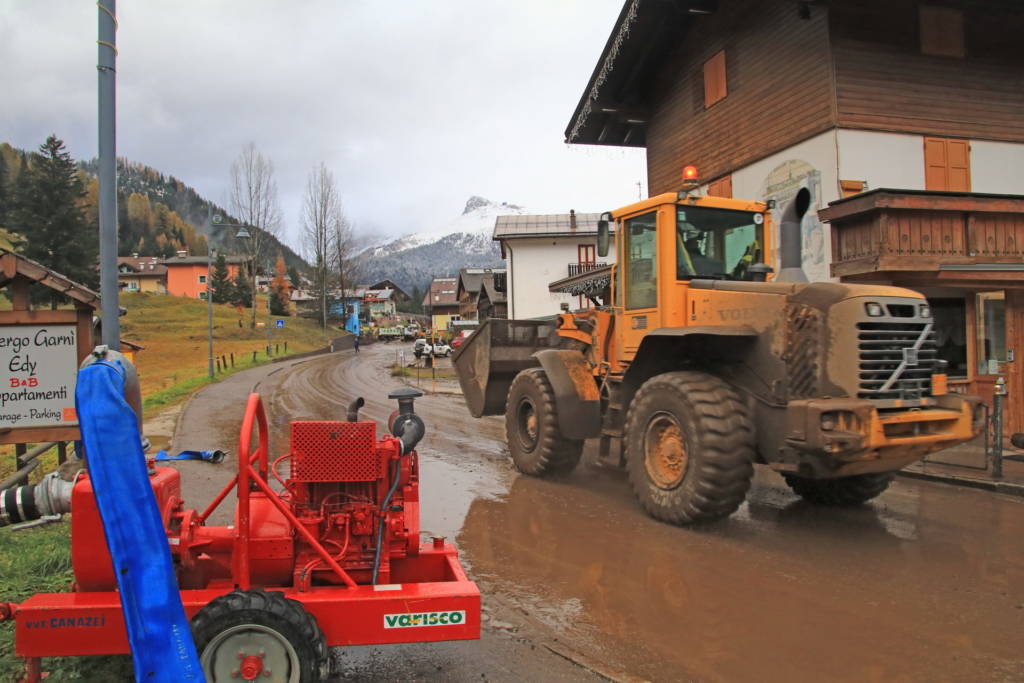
{"x":254,"y":202}
{"x":321,"y":217}
{"x":345,"y":259}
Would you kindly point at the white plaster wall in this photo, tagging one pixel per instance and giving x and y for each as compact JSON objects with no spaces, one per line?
{"x":997,"y":167}
{"x":534,"y":263}
{"x":892,"y":160}
{"x":812,"y":164}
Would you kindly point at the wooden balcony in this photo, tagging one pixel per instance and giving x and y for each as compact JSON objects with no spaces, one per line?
{"x":578,"y":268}
{"x":904,"y":230}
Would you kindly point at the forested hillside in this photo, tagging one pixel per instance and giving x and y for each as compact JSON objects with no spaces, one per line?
{"x":157,"y":214}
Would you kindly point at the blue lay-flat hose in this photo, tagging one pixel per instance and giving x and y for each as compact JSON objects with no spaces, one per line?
{"x":158,"y":630}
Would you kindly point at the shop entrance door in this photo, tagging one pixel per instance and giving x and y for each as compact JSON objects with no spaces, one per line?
{"x":997,"y":320}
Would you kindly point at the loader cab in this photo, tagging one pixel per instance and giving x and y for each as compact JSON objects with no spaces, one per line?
{"x":666,"y":241}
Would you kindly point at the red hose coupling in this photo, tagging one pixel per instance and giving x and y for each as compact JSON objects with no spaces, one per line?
{"x":8,"y":610}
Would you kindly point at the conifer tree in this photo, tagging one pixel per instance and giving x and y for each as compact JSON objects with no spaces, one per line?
{"x":49,"y":215}
{"x":241,"y":289}
{"x":221,"y":289}
{"x":4,"y":194}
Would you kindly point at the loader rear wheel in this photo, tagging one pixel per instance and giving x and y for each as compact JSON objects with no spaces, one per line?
{"x":689,"y":447}
{"x":256,"y":635}
{"x":844,"y":491}
{"x":531,"y":427}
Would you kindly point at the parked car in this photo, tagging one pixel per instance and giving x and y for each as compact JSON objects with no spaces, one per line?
{"x":442,"y":349}
{"x":421,"y":347}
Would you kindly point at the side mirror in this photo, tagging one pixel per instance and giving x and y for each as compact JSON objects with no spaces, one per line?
{"x":603,"y":236}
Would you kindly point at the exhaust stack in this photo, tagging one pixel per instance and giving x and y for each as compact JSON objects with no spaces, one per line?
{"x":791,"y":267}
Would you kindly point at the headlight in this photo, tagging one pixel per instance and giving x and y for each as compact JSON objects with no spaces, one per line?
{"x":874,"y":310}
{"x":828,"y":421}
{"x":926,"y":311}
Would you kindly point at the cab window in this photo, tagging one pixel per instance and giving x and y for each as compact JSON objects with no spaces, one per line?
{"x":717,"y":243}
{"x":641,"y":262}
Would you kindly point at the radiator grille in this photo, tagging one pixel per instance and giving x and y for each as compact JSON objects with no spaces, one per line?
{"x":896,"y":359}
{"x":335,"y":451}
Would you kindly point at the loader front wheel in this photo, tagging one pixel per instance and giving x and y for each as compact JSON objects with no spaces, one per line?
{"x":531,"y":427}
{"x":844,"y":491}
{"x":689,"y":447}
{"x":259,"y":635}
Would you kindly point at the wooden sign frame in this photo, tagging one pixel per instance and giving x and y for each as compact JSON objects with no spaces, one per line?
{"x":17,"y":274}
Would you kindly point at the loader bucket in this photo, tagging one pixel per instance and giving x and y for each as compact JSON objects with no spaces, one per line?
{"x":492,"y":356}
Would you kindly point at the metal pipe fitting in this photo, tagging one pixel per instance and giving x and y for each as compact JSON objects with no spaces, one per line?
{"x":353,"y":409}
{"x":49,"y":498}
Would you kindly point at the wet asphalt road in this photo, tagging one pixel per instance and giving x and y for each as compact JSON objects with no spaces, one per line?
{"x":925,"y":583}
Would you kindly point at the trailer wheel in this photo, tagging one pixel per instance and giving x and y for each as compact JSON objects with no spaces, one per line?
{"x":844,"y":491}
{"x":689,"y":447}
{"x":531,"y":427}
{"x":256,"y":635}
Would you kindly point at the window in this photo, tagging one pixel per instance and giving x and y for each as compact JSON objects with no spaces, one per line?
{"x":202,"y":279}
{"x":942,"y":31}
{"x":721,"y":187}
{"x":202,"y":295}
{"x":991,"y":327}
{"x":133,"y":286}
{"x":714,"y":79}
{"x":947,"y":165}
{"x":642,"y":265}
{"x":717,"y":243}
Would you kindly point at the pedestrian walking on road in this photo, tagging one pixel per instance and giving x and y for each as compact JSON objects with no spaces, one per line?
{"x":355,"y":343}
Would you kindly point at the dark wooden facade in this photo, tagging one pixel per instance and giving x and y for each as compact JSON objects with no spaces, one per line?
{"x":885,"y":83}
{"x":794,"y":70}
{"x":774,"y":60}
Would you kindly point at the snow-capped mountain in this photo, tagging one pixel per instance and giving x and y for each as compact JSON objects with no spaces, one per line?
{"x":415,"y":259}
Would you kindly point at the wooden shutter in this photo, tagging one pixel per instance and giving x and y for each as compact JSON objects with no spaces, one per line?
{"x":942,"y":31}
{"x":851,"y":187}
{"x":721,"y":187}
{"x":947,"y":165}
{"x":714,"y":79}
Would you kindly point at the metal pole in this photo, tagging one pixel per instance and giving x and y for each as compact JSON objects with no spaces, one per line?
{"x":106,"y":66}
{"x":209,"y":290}
{"x":997,"y":427}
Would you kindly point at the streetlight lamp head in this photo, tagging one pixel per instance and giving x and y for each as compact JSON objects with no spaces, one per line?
{"x":243,"y":233}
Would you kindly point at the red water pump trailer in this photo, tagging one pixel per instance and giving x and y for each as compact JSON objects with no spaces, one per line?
{"x":328,"y":556}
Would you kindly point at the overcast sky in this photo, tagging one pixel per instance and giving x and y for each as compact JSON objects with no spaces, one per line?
{"x":414,"y":105}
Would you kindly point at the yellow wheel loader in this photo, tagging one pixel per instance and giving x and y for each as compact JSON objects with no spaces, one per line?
{"x":693,"y":364}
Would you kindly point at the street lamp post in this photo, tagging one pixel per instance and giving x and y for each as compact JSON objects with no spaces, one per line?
{"x":209,"y":297}
{"x":243,"y":233}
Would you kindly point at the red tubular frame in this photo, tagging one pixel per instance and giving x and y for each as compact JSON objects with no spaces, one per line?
{"x":255,"y":415}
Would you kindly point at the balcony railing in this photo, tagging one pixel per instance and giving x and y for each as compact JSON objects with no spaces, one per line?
{"x":577,"y":268}
{"x":896,"y":230}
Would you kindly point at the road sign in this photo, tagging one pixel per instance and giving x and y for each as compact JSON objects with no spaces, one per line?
{"x":42,"y":365}
{"x":217,"y":218}
{"x":278,"y":324}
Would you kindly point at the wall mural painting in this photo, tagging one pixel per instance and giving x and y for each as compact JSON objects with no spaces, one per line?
{"x":782,"y":184}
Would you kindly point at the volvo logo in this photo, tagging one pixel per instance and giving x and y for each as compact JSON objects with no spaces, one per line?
{"x":910,"y":356}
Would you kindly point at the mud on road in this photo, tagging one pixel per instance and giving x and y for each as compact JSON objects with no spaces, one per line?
{"x":925,"y":583}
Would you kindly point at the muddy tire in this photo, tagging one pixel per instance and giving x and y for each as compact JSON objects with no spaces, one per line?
{"x":845,"y":491}
{"x":531,"y":428}
{"x":252,"y":622}
{"x":689,"y":447}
